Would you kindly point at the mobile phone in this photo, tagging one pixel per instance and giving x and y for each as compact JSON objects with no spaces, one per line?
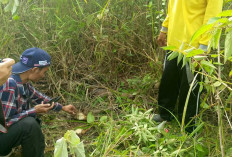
{"x":54,"y":100}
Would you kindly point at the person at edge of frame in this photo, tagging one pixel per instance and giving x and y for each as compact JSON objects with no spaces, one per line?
{"x":22,"y":103}
{"x":5,"y":72}
{"x":184,"y":18}
{"x":5,"y":69}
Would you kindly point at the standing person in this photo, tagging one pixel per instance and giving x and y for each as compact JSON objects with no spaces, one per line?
{"x":184,"y":18}
{"x":5,"y":72}
{"x":22,"y":103}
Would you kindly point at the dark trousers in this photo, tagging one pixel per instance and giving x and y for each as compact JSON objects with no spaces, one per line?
{"x":28,"y":134}
{"x":174,"y":84}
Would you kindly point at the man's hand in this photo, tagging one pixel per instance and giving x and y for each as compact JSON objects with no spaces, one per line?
{"x":43,"y":108}
{"x":5,"y":69}
{"x":70,"y":109}
{"x":162,"y":39}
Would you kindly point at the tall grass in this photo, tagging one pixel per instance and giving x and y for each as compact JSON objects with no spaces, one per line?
{"x":101,"y":40}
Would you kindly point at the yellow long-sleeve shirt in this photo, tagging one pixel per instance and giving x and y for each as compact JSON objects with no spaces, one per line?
{"x":185,"y":17}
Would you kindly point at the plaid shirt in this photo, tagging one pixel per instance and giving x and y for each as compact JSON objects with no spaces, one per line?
{"x":18,"y":100}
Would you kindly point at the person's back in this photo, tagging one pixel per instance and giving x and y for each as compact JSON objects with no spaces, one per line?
{"x":185,"y":17}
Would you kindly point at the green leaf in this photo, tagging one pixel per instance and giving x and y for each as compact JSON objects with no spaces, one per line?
{"x":185,"y":60}
{"x":182,"y":46}
{"x":180,"y":56}
{"x":79,"y":150}
{"x":61,"y":148}
{"x":230,"y":74}
{"x":72,"y":137}
{"x":205,"y":105}
{"x":197,"y":58}
{"x":222,"y":21}
{"x":197,"y":129}
{"x":12,"y":6}
{"x":90,"y":118}
{"x":76,"y":147}
{"x":216,"y":38}
{"x":201,"y":31}
{"x":15,"y":6}
{"x":171,"y":48}
{"x":189,"y":50}
{"x":103,"y":119}
{"x":15,"y":17}
{"x":225,"y":13}
{"x":195,"y":52}
{"x":221,"y":87}
{"x":161,"y":125}
{"x":214,"y":55}
{"x":208,"y":64}
{"x":213,"y":20}
{"x":176,"y":152}
{"x":173,"y":55}
{"x":217,"y":63}
{"x":228,"y":46}
{"x":217,"y":84}
{"x":199,"y":147}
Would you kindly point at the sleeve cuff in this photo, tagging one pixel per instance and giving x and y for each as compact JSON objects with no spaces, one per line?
{"x":164,"y":29}
{"x":203,"y":47}
{"x":31,"y":112}
{"x":57,"y":107}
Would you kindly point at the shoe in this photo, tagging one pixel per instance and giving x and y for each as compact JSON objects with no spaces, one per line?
{"x":157,"y":118}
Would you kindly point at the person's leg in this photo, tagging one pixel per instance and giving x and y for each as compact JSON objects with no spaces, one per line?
{"x":28,"y":134}
{"x":169,"y":89}
{"x":193,"y":102}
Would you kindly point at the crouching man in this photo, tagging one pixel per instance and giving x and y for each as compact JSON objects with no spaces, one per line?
{"x":22,"y":103}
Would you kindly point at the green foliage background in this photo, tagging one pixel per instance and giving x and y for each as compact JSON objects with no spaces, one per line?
{"x":118,"y":45}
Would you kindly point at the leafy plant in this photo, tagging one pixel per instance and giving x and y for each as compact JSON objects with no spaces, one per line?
{"x":90,"y":118}
{"x":143,"y":126}
{"x":11,"y":5}
{"x":211,"y":63}
{"x":72,"y":142}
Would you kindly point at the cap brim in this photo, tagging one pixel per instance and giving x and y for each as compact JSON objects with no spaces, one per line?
{"x":19,"y":68}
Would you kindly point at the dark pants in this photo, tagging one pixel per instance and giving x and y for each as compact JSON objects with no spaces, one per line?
{"x":28,"y":134}
{"x":174,"y":84}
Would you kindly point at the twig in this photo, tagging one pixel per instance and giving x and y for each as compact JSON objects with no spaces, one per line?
{"x":219,"y":108}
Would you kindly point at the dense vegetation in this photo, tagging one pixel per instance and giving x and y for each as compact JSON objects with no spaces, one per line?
{"x":105,"y":61}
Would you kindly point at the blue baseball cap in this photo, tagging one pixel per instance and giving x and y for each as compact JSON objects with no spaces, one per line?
{"x":33,"y":57}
